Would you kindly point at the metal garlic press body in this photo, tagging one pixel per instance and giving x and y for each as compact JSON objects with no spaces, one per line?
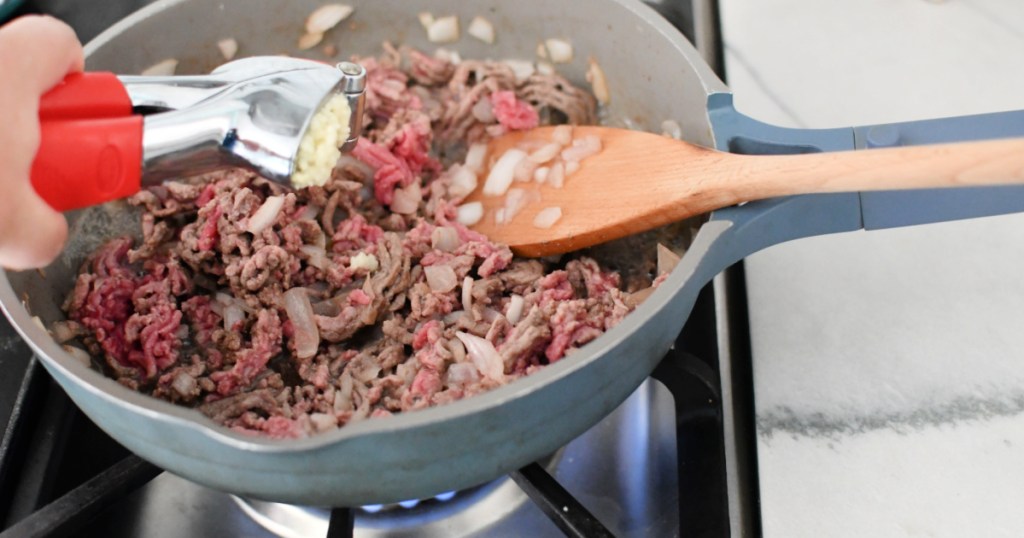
{"x":105,"y":136}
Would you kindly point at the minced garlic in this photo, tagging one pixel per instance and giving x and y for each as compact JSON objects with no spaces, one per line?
{"x":320,"y":147}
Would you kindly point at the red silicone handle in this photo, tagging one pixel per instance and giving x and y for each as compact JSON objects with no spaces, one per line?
{"x":88,"y":162}
{"x":86,"y":95}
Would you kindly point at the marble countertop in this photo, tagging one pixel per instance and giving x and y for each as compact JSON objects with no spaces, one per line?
{"x":889,"y":366}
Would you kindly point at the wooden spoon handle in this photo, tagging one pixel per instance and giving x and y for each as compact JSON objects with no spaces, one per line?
{"x":991,"y":162}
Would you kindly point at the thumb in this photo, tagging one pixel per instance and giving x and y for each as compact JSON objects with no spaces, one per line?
{"x":32,"y":233}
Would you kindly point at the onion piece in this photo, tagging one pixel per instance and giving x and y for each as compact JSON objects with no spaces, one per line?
{"x":559,"y":50}
{"x":499,"y":179}
{"x":524,"y":170}
{"x":483,"y":111}
{"x":233,"y":314}
{"x":265,"y":215}
{"x":316,"y":256}
{"x":515,"y":309}
{"x":79,"y":354}
{"x":470,"y":214}
{"x":545,"y":68}
{"x":326,"y":17}
{"x":667,"y":260}
{"x":426,"y":19}
{"x":444,"y":238}
{"x":407,"y":199}
{"x":61,"y":331}
{"x":556,"y":177}
{"x":483,"y":355}
{"x":562,"y":135}
{"x":467,"y":293}
{"x":515,"y":201}
{"x":571,"y":167}
{"x":545,"y":153}
{"x":441,"y":278}
{"x":547,"y":217}
{"x":582,"y":148}
{"x":228,"y":48}
{"x":542,"y":51}
{"x":481,"y":29}
{"x":523,"y":69}
{"x":308,"y":41}
{"x":161,"y":69}
{"x":540,"y":175}
{"x":463,"y":181}
{"x":598,"y":83}
{"x":299,"y":310}
{"x":444,"y":30}
{"x":462,"y":373}
{"x":671,"y":129}
{"x":450,"y":56}
{"x":476,"y":156}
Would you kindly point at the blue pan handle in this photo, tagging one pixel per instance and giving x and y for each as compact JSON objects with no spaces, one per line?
{"x":757,"y":225}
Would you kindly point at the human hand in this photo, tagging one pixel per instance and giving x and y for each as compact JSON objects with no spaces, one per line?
{"x":35,"y":54}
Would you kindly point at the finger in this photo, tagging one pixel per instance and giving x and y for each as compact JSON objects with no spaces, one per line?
{"x":32,"y":233}
{"x":41,"y":50}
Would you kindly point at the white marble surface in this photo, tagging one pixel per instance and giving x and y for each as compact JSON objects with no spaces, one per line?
{"x":889,"y":366}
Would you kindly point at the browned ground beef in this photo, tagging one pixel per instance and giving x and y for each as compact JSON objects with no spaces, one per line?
{"x":157,"y":311}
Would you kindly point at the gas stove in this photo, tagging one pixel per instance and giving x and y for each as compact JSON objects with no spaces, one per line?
{"x":676,"y":459}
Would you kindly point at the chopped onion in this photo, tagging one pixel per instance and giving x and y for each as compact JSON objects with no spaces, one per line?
{"x":364,"y":261}
{"x":470,"y":214}
{"x":483,"y":110}
{"x":441,"y":278}
{"x":547,"y":217}
{"x":426,"y":19}
{"x":540,"y":175}
{"x":524,"y":170}
{"x":481,"y":29}
{"x":306,"y":335}
{"x":265,"y":215}
{"x":450,"y":56}
{"x":667,"y":260}
{"x":515,"y":309}
{"x":571,"y":167}
{"x":444,"y":238}
{"x":228,"y":48}
{"x":484,"y":356}
{"x":476,"y":156}
{"x":444,"y":30}
{"x":582,"y":148}
{"x":161,"y":69}
{"x":545,"y":68}
{"x":306,"y":213}
{"x":557,"y":175}
{"x":463,"y":181}
{"x":559,"y":50}
{"x":545,"y":153}
{"x":462,"y":373}
{"x":407,"y":199}
{"x":499,"y":179}
{"x":233,"y":314}
{"x":562,"y":135}
{"x":595,"y":76}
{"x":671,"y":129}
{"x":467,"y":293}
{"x":308,"y":41}
{"x":316,"y":256}
{"x":542,"y":51}
{"x":61,"y":331}
{"x":499,"y":216}
{"x":326,"y":17}
{"x":515,"y":201}
{"x":523,"y":69}
{"x":79,"y":354}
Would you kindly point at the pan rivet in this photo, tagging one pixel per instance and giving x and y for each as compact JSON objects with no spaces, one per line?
{"x":883,"y":136}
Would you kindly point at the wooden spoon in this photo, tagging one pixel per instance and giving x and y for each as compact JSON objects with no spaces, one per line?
{"x":640,"y":181}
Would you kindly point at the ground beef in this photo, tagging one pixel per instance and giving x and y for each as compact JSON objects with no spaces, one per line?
{"x":195,"y":313}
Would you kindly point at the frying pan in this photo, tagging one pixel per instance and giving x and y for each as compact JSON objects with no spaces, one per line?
{"x":654,"y":74}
